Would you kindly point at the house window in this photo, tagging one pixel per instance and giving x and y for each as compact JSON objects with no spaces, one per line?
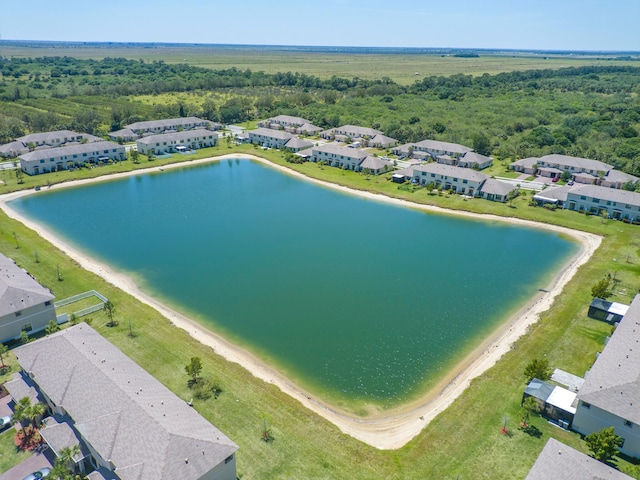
{"x":596,"y":200}
{"x":586,"y":405}
{"x":47,"y":303}
{"x":26,"y":328}
{"x":465,"y":181}
{"x":627,"y":423}
{"x":228,"y":459}
{"x":18,"y":313}
{"x":582,"y":197}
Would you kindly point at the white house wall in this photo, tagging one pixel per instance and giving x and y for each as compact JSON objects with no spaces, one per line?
{"x":38,"y":316}
{"x":594,"y":419}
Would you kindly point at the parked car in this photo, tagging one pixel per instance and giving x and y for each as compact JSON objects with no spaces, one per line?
{"x":570,"y":182}
{"x":42,"y":473}
{"x":555,"y":179}
{"x":4,"y":423}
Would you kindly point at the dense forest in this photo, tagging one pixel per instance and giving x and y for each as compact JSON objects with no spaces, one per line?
{"x":592,"y":112}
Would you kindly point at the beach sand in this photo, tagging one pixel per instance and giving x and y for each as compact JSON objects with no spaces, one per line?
{"x":385,"y":430}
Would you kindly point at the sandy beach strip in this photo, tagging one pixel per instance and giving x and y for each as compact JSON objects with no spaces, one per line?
{"x":389,"y":430}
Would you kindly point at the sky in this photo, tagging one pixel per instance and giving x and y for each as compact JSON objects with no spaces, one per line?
{"x":601,"y":25}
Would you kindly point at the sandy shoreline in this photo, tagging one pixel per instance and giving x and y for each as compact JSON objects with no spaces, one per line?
{"x":387,"y":431}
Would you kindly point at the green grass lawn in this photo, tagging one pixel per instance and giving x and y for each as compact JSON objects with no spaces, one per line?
{"x":463,"y":442}
{"x":10,"y":455}
{"x":401,"y":68}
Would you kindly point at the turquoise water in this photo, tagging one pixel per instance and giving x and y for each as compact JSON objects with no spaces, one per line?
{"x":358,"y":300}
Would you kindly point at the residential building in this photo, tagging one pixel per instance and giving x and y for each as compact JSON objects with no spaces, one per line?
{"x":124,"y":135}
{"x":38,"y":141}
{"x":57,"y":138}
{"x":456,"y":179}
{"x":298,"y":144}
{"x":177,"y":141}
{"x":366,"y":137}
{"x":127,"y":425}
{"x":339,"y":156}
{"x":610,"y":394}
{"x":161,"y":126}
{"x":618,"y":204}
{"x":474,"y":160}
{"x":375,"y":165}
{"x":269,"y":138}
{"x":557,"y":461}
{"x":496,"y":190}
{"x":298,"y":125}
{"x":582,"y":170}
{"x":432,"y":148}
{"x":25,"y":305}
{"x":63,"y":158}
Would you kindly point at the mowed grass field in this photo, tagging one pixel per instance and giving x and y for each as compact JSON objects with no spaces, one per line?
{"x":464,"y":442}
{"x":402,"y":68}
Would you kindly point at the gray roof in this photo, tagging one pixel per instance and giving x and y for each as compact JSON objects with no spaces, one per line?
{"x":383,"y":140}
{"x":20,"y":387}
{"x":117,"y":407}
{"x":47,"y":137}
{"x":558,"y":461}
{"x":309,"y":127}
{"x":375,"y":163}
{"x":169,"y":122}
{"x":606,"y":193}
{"x":124,"y":133}
{"x":443,"y":146}
{"x":298,"y":121}
{"x":77,"y":149}
{"x":539,"y":389}
{"x":613,"y":383}
{"x":472,"y":158}
{"x":576,"y":162}
{"x":298,"y":143}
{"x":269,"y":133}
{"x":186,"y":135}
{"x":451,"y":171}
{"x":497,"y":187}
{"x":526,"y":162}
{"x":554,"y":193}
{"x":13,"y":148}
{"x":355,"y":131}
{"x":341,"y":150}
{"x":618,"y":176}
{"x":59,"y":434}
{"x":18,"y":290}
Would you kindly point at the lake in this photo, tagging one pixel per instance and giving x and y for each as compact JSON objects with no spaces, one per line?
{"x":358,"y":301}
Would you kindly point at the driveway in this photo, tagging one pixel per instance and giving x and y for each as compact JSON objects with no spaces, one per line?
{"x":31,"y":464}
{"x":4,"y":406}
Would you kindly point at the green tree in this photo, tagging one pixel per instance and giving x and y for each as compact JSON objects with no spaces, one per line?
{"x":3,"y":350}
{"x":537,"y":368}
{"x":135,"y":156}
{"x":481,"y":144}
{"x":601,"y":288}
{"x":109,"y":309}
{"x":193,"y":369}
{"x":603,"y":444}
{"x":52,"y":327}
{"x":529,"y":406}
{"x":63,"y":465}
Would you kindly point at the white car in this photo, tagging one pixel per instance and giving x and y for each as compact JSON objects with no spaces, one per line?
{"x":4,"y":423}
{"x":42,"y":473}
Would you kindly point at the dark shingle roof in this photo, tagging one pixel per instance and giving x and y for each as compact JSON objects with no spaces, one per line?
{"x":118,"y":407}
{"x":18,"y":290}
{"x":557,"y":461}
{"x":613,"y":383}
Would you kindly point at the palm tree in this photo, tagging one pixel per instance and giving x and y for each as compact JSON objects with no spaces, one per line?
{"x":63,"y":467}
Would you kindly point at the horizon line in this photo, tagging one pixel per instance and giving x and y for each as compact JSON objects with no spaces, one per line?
{"x":325,"y":47}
